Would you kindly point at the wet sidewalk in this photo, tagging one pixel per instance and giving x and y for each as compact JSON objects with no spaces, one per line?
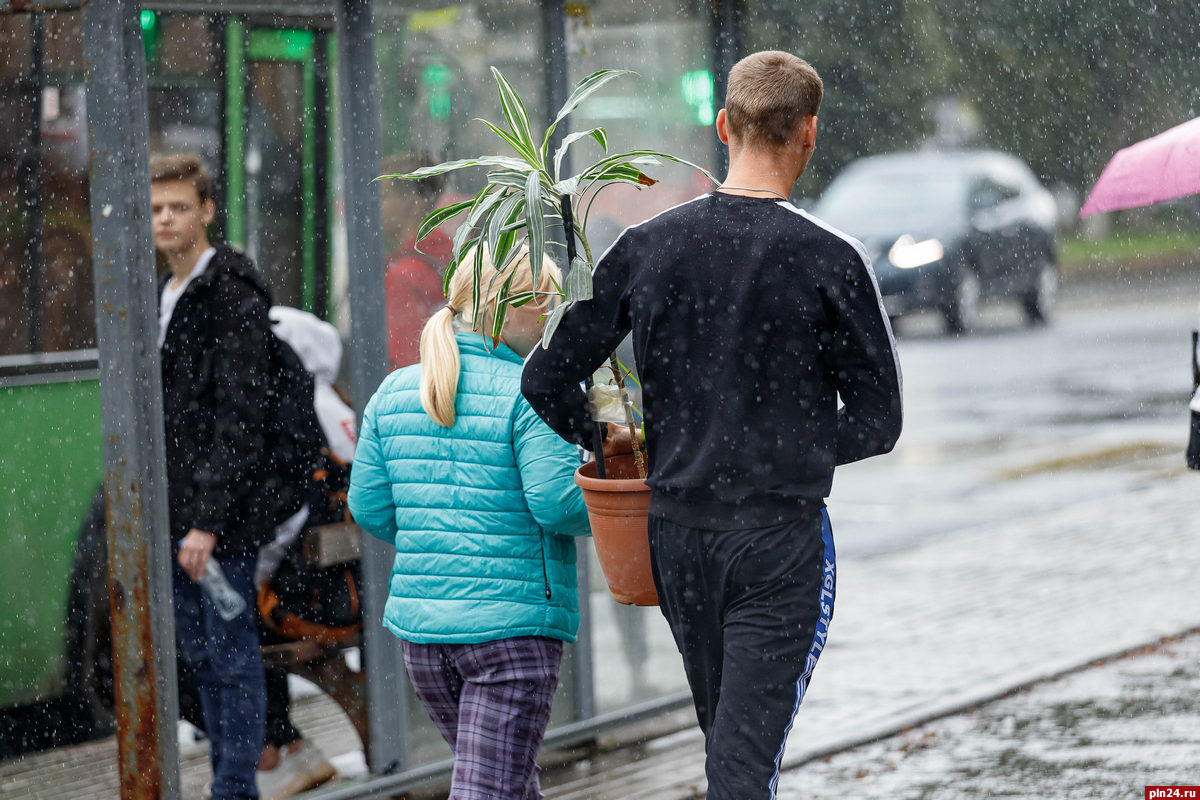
{"x":920,"y":634}
{"x":964,"y":619}
{"x":1104,"y":733}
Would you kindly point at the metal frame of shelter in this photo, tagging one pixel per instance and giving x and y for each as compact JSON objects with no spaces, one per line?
{"x":143,"y":635}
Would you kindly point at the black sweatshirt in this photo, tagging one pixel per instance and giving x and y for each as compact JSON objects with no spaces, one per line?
{"x":750,"y":318}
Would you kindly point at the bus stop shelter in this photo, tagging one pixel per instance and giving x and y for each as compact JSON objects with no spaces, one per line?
{"x":126,"y":318}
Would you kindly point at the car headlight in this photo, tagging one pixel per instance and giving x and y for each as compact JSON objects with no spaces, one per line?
{"x":909,"y":254}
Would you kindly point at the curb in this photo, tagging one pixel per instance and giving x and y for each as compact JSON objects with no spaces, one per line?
{"x":965,"y":702}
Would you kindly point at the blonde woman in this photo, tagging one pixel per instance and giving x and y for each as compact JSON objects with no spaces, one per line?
{"x":478,"y":496}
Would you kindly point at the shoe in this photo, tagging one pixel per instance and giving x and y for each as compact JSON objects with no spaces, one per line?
{"x":298,"y":771}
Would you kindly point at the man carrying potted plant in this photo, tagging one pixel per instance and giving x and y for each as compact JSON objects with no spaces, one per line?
{"x":750,"y":319}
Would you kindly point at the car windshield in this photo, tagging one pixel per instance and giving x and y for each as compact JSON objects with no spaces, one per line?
{"x":864,"y":202}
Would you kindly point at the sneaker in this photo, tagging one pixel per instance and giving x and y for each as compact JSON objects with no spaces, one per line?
{"x":297,"y":772}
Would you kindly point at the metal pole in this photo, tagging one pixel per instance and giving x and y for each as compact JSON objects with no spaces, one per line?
{"x":382,"y":657}
{"x":139,"y":549}
{"x":32,"y":185}
{"x":727,"y":23}
{"x":554,"y":50}
{"x":323,"y":173}
{"x":556,"y":87}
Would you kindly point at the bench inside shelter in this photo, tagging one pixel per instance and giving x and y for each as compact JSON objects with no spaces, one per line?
{"x":325,"y":666}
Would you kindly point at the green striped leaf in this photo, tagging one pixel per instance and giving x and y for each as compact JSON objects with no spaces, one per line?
{"x":518,"y":299}
{"x":569,"y":186}
{"x":484,"y":202}
{"x":599,"y":134}
{"x":552,"y":321}
{"x":514,"y":112}
{"x":452,"y":267}
{"x":504,"y":251}
{"x":502,"y":307}
{"x":579,"y":281}
{"x":535,"y":224}
{"x":476,"y":286}
{"x":584,"y":89}
{"x":464,"y":237}
{"x":619,"y":172}
{"x":506,"y":162}
{"x":635,"y":156}
{"x":508,"y":242}
{"x":501,"y":216}
{"x":440,"y":215}
{"x":510,"y":178}
{"x":516,"y":144}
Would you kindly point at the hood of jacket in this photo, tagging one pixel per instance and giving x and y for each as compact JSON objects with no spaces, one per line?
{"x":315,"y":341}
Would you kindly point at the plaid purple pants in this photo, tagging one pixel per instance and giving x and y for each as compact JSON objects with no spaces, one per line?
{"x":491,"y":702}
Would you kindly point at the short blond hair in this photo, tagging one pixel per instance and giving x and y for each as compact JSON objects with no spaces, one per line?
{"x":182,"y":167}
{"x":769,"y":93}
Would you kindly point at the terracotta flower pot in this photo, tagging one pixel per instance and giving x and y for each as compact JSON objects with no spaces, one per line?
{"x":618,"y":508}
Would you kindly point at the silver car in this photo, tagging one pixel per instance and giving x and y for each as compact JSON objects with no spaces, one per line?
{"x":948,"y":230}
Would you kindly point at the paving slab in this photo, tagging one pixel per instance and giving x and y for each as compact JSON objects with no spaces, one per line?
{"x":968,"y":617}
{"x":1103,"y":733}
{"x":919,"y":634}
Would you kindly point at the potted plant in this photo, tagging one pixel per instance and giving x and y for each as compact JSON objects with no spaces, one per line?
{"x":525,"y":196}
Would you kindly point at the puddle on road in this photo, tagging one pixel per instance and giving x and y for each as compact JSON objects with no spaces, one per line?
{"x":1103,"y":458}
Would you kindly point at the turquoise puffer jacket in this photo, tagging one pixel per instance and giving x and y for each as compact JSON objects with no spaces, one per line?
{"x":481,"y":514}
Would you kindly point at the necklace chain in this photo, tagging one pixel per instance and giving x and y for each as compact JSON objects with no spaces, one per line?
{"x":750,"y":189}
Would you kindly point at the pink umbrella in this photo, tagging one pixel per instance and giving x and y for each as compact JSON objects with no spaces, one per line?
{"x":1163,"y":167}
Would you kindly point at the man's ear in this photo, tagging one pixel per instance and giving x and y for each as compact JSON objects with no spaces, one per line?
{"x":722,"y":127}
{"x":809,"y":130}
{"x":209,"y":211}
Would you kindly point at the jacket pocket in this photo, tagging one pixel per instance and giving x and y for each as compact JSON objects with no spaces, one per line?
{"x":545,"y":566}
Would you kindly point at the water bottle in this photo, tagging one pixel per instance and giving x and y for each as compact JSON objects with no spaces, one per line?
{"x":228,"y":602}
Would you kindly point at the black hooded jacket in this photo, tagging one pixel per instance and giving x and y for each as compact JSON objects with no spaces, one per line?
{"x":215,"y":371}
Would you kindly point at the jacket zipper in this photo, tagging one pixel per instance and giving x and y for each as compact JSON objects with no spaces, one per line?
{"x":545,"y":570}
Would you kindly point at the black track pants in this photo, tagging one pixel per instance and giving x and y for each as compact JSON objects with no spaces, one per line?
{"x":750,"y":611}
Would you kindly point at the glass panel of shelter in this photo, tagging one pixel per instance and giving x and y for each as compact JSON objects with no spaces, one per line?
{"x":668,"y":105}
{"x":434,"y":80}
{"x":45,"y":261}
{"x":47,"y":273}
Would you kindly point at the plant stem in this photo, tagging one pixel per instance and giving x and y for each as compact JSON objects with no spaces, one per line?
{"x":639,"y":457}
{"x":587,"y":251}
{"x":569,"y":228}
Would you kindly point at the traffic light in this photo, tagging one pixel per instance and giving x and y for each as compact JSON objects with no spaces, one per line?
{"x":697,"y":88}
{"x":150,"y":34}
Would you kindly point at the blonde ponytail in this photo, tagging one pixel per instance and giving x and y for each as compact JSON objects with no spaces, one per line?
{"x":439,"y":367}
{"x":440,"y":360}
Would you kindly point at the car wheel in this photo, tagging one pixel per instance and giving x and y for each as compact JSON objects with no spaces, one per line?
{"x":89,"y":624}
{"x":1038,"y":301}
{"x":962,"y":312}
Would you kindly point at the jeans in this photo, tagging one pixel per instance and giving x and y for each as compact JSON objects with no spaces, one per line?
{"x":226,"y":661}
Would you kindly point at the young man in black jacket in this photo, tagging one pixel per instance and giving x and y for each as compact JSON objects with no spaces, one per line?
{"x":750,"y":319}
{"x":214,"y":336}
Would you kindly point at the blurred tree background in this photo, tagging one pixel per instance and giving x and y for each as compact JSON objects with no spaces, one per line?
{"x":1062,"y":84}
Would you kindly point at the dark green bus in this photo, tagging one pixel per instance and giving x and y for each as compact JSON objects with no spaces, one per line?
{"x":253,"y":99}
